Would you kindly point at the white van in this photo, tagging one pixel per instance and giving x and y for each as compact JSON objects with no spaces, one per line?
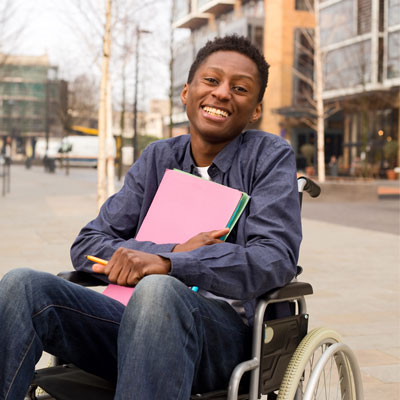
{"x":82,"y":151}
{"x":52,"y":151}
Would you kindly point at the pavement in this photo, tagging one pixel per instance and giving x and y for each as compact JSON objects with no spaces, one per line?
{"x":350,"y":254}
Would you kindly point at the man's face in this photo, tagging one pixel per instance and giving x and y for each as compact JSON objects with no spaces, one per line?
{"x":222,"y":97}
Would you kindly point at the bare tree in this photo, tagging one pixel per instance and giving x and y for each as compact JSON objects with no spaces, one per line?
{"x":10,"y":30}
{"x":310,"y":74}
{"x":104,"y":112}
{"x":171,"y":66}
{"x":124,"y":17}
{"x":318,"y":87}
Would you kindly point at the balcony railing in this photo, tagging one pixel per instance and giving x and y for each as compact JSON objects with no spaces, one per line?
{"x":202,"y":11}
{"x":192,"y":21}
{"x":215,"y":7}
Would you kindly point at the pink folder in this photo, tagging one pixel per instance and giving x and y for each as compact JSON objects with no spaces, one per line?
{"x":183,"y":206}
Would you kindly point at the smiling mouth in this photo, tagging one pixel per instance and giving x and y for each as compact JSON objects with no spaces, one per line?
{"x":216,"y":112}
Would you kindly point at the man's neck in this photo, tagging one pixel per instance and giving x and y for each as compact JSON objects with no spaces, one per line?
{"x":204,"y":153}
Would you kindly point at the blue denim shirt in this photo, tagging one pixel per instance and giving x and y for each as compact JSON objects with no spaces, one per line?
{"x":262,"y":250}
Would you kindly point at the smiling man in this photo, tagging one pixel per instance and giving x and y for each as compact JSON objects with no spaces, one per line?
{"x":169,"y":341}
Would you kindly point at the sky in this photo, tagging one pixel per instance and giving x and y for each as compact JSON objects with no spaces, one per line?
{"x":72,"y":38}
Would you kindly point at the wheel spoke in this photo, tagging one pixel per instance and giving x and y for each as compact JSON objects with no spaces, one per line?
{"x":308,"y":370}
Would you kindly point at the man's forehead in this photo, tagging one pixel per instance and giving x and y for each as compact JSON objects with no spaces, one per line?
{"x":221,"y":59}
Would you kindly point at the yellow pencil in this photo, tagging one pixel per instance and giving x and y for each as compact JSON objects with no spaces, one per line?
{"x":97,"y":260}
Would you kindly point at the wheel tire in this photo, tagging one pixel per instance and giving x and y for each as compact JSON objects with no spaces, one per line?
{"x":318,"y":340}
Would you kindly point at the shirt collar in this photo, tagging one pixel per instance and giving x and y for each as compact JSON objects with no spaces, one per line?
{"x":224,"y":158}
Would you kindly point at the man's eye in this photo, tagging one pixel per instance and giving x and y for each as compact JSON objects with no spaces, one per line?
{"x":240,"y":89}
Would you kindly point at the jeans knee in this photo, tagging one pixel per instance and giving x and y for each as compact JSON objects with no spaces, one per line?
{"x":158,"y":289}
{"x":14,"y":280}
{"x":24,"y":286}
{"x":155,"y":298}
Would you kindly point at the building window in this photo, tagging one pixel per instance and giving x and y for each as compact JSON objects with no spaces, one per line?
{"x":381,"y":15}
{"x":348,"y":66}
{"x":304,"y":5}
{"x":393,"y":64}
{"x":394,"y":12}
{"x":304,"y":66}
{"x":380,"y":60}
{"x":337,"y":22}
{"x":364,"y":9}
{"x":182,"y":9}
{"x":37,"y":108}
{"x":255,"y":34}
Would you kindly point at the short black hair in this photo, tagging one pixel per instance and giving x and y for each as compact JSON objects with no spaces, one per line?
{"x":241,"y":45}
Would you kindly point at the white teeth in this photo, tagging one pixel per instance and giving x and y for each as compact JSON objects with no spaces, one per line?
{"x":215,"y":111}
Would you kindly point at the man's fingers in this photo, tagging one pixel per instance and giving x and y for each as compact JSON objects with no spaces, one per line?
{"x":123,"y":277}
{"x":219,"y":233}
{"x":98,"y":268}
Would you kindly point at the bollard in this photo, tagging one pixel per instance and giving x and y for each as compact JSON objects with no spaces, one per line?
{"x":2,"y":175}
{"x":5,"y":163}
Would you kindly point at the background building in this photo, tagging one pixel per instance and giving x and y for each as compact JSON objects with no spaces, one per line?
{"x":30,"y":105}
{"x":285,"y":22}
{"x":361,"y":45}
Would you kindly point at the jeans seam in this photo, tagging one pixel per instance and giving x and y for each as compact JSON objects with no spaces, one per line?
{"x":186,"y":341}
{"x":74,"y":310}
{"x":19,"y":366}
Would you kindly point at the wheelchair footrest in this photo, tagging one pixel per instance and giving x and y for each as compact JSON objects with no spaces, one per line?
{"x":66,"y":382}
{"x":218,"y":395}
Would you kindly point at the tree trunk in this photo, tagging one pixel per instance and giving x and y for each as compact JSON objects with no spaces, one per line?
{"x":110,"y":147}
{"x":103,"y":115}
{"x":171,"y":71}
{"x":318,"y":96}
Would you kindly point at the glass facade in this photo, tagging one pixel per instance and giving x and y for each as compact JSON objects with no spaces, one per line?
{"x":393,"y":55}
{"x":337,"y":22}
{"x":348,"y":66}
{"x":182,"y":8}
{"x":24,"y":90}
{"x":394,"y":14}
{"x":354,"y":53}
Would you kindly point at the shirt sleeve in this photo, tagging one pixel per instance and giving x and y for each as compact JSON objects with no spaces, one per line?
{"x":269,"y":235}
{"x":117,"y":222}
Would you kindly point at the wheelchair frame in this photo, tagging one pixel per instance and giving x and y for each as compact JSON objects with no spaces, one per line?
{"x":273,"y":367}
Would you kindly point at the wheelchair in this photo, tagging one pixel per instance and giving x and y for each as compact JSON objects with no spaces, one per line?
{"x":287,"y":363}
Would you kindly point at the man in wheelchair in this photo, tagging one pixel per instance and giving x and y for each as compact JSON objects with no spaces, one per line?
{"x":170,"y":341}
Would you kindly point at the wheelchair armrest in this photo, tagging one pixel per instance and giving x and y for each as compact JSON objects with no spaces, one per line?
{"x":291,"y":290}
{"x":82,"y":278}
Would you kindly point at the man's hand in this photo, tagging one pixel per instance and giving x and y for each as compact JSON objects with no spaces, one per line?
{"x":127,"y":267}
{"x":201,"y":239}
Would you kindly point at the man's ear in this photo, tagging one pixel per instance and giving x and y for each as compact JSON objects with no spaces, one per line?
{"x":184,"y":94}
{"x":256,"y":113}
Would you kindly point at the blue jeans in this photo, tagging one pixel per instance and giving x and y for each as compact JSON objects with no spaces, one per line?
{"x":167,"y":343}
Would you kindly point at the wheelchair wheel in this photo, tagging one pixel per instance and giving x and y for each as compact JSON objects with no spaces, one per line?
{"x":322,"y":368}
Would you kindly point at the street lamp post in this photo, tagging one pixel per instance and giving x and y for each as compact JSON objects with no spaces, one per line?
{"x":135,"y":134}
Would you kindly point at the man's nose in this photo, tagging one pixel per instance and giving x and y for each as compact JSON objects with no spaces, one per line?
{"x":222,"y":91}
